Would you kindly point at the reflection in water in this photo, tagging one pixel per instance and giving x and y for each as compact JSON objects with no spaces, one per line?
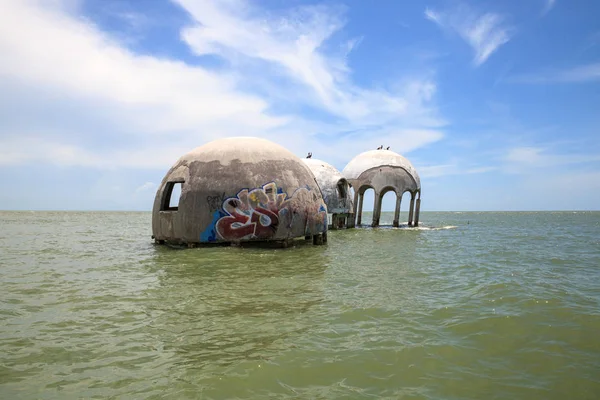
{"x":216,"y":306}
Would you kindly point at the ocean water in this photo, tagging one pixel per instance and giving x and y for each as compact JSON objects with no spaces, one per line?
{"x":470,"y":306}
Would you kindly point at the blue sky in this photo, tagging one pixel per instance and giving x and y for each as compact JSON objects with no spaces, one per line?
{"x":497,"y":104}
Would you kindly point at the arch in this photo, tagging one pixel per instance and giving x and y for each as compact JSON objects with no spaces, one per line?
{"x":404,"y":206}
{"x":364,"y":188}
{"x":370,"y":194}
{"x":387,"y":189}
{"x":353,"y":194}
{"x":388,"y":200}
{"x":376,"y":159}
{"x":415,"y":182}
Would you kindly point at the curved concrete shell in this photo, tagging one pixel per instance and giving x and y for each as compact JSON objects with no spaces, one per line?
{"x":236,"y":190}
{"x":383,"y":171}
{"x":335,"y":190}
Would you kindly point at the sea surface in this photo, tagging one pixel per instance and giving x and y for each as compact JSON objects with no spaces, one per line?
{"x":469,"y":306}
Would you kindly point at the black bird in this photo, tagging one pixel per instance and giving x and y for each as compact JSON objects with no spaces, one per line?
{"x":388,"y":148}
{"x":380,"y":147}
{"x":309,"y":155}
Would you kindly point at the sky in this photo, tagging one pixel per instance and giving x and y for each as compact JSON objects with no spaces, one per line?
{"x":495,"y":103}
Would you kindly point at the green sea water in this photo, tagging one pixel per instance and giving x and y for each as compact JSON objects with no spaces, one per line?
{"x":471,"y":306}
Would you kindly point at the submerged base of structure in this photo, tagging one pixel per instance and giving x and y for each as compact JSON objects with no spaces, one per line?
{"x":341,"y":221}
{"x":318,"y":239}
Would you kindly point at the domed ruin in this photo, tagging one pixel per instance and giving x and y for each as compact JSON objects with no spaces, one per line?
{"x":237,"y":190}
{"x":384,"y":171}
{"x":336,"y":192}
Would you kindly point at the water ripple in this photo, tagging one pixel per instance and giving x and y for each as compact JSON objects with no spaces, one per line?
{"x":470,"y":305}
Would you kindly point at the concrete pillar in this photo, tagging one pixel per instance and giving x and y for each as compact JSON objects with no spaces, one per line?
{"x":355,"y":203}
{"x":397,"y":211}
{"x":417,"y":212}
{"x":376,"y":209}
{"x":318,"y":239}
{"x":350,"y":221}
{"x":411,"y":210}
{"x":333,"y":225}
{"x":360,"y":204}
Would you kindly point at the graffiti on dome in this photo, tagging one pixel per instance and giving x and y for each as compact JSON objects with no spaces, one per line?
{"x":260,"y":213}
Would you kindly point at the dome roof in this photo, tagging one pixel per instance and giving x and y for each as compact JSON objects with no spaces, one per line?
{"x":333,"y":185}
{"x":326,"y":174}
{"x":238,"y":189}
{"x":244,"y":149}
{"x":378,"y":158}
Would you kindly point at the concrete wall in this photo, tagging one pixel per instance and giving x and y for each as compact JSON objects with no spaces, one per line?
{"x":240,"y":201}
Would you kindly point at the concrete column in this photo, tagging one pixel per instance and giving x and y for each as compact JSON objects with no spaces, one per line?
{"x":318,"y":239}
{"x":359,"y":214}
{"x":411,"y":210}
{"x":333,"y":225}
{"x":417,"y":212}
{"x":350,"y":221}
{"x":376,"y":209}
{"x":397,"y":211}
{"x":354,"y":210}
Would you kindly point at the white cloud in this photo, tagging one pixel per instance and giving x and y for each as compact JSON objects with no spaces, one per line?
{"x":148,"y":186}
{"x":154,"y":109}
{"x":75,"y":57}
{"x":295,"y":43}
{"x":578,"y":74}
{"x":485,"y":33}
{"x":435,"y":171}
{"x":548,"y":5}
{"x":525,"y":159}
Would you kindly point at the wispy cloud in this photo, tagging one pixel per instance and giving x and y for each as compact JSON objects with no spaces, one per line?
{"x":436,"y":171}
{"x":578,"y":74}
{"x":114,"y":107}
{"x":548,"y":5}
{"x":293,"y":43}
{"x":485,"y":33}
{"x":148,"y":186}
{"x":524,"y":159}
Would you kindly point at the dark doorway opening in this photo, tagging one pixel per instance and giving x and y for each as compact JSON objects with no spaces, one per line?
{"x":171,"y":196}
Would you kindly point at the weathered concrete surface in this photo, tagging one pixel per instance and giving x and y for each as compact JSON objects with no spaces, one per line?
{"x":335,"y":190}
{"x":383,"y":171}
{"x":378,"y":158}
{"x":236,"y":190}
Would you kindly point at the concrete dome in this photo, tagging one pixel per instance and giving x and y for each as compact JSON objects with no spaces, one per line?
{"x":383,"y":171}
{"x":334,"y":186}
{"x":378,"y":158}
{"x":238,"y":189}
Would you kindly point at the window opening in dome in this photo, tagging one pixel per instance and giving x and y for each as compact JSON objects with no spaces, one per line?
{"x":171,"y":196}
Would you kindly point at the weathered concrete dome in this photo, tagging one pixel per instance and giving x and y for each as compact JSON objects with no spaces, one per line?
{"x":369,"y":160}
{"x":238,"y":189}
{"x":334,"y":186}
{"x":383,"y":171}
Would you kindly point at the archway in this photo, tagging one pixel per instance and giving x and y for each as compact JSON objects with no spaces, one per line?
{"x":388,"y":205}
{"x":366,"y":204}
{"x":404,"y":209}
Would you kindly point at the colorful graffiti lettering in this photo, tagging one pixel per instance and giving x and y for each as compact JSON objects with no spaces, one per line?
{"x":251,"y":214}
{"x":260,"y":213}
